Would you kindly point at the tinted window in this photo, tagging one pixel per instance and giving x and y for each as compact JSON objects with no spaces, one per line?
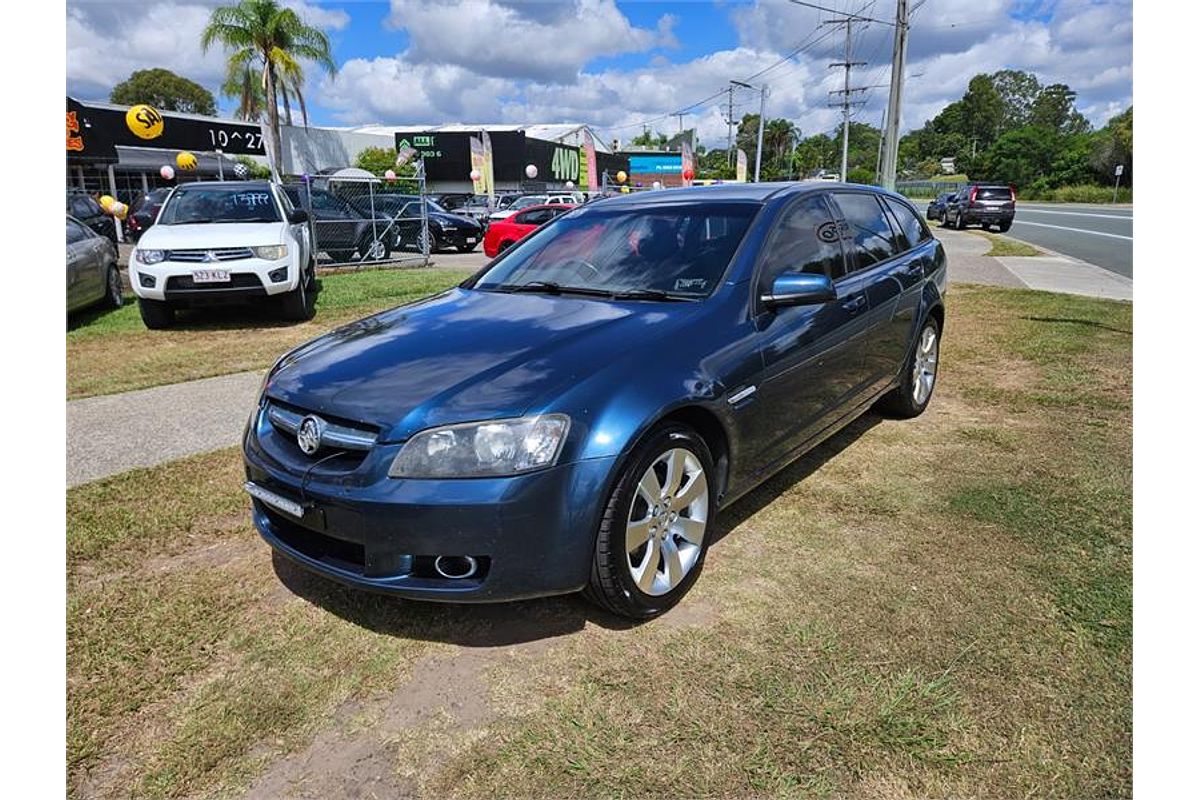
{"x":682,"y":250}
{"x":993,"y":193}
{"x":805,"y":239}
{"x":75,"y":232}
{"x":84,"y":207}
{"x":534,"y":217}
{"x":910,"y":226}
{"x":869,"y":229}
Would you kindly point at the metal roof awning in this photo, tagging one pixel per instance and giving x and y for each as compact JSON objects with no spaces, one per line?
{"x":152,"y":159}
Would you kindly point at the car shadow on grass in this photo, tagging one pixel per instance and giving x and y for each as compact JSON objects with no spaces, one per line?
{"x":501,"y":624}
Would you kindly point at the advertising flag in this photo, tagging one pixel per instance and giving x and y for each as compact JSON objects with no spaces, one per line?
{"x":589,"y":150}
{"x":489,"y":177}
{"x":687,"y":161}
{"x":741,"y":165}
{"x":478,"y":166}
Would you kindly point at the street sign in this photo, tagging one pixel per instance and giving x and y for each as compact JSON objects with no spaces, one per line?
{"x":1120,"y":170}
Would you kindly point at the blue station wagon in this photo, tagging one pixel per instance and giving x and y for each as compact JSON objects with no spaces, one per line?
{"x":575,"y":415}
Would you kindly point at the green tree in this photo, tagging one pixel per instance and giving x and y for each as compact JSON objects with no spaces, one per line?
{"x":982,"y":111}
{"x":648,"y":139}
{"x":272,"y":40}
{"x":1055,"y":109}
{"x":1023,"y":157}
{"x":1111,"y":146}
{"x":1018,"y":90}
{"x":378,"y":160}
{"x":257,"y":170}
{"x":779,"y":138}
{"x":164,"y":90}
{"x":243,"y":82}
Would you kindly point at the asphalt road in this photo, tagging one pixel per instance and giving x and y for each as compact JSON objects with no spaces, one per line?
{"x":1100,"y":235}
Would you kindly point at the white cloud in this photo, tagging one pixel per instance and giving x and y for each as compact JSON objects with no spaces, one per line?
{"x":108,"y":41}
{"x":549,"y":42}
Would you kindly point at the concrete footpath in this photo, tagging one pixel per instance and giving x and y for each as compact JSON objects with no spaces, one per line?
{"x":118,"y":432}
{"x":114,"y":433}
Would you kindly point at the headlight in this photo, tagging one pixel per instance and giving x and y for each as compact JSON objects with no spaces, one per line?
{"x":270,"y":252}
{"x":149,"y":256}
{"x":483,"y":449}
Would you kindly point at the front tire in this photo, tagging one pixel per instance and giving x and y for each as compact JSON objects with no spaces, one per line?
{"x":156,"y":314}
{"x":656,"y":526}
{"x":912,"y":396}
{"x":300,"y":304}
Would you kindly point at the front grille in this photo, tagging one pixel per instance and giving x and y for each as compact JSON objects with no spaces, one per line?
{"x":210,"y":255}
{"x":237,"y":280}
{"x":337,"y":435}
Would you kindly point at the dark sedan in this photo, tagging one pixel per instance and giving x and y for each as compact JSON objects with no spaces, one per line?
{"x":144,"y":211}
{"x":340,"y":229}
{"x":575,"y":416}
{"x":936,"y":209}
{"x":444,"y":229}
{"x":84,"y":208}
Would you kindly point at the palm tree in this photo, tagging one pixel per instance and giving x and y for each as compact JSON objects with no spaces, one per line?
{"x":778,"y":138}
{"x":243,"y":82}
{"x":265,"y":37}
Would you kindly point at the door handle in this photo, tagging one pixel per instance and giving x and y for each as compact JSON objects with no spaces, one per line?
{"x":915,"y":268}
{"x":854,"y":303}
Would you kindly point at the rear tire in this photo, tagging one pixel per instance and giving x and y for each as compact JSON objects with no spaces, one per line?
{"x":372,"y":250}
{"x":113,"y":297}
{"x":959,"y":222}
{"x":1004,"y":226}
{"x":670,"y":562}
{"x":905,"y":401}
{"x":156,"y":314}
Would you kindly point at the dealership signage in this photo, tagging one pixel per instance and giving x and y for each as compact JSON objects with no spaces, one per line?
{"x":93,"y":132}
{"x":447,"y":155}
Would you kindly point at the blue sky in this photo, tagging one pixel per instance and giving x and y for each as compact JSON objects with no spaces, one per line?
{"x":617,"y":64}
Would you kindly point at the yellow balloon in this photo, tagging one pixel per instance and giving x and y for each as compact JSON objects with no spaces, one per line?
{"x":144,"y":121}
{"x":621,"y":176}
{"x":120,"y":210}
{"x":185,"y":161}
{"x":106,"y":202}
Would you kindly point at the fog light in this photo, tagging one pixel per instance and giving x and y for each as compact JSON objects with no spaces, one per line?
{"x":147,"y":281}
{"x":278,"y":275}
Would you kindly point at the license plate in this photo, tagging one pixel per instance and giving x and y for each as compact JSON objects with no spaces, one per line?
{"x":210,"y":276}
{"x":274,"y":500}
{"x":470,"y":240}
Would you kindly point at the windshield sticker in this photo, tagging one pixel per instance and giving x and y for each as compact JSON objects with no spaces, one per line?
{"x":251,"y":199}
{"x":686,"y":284}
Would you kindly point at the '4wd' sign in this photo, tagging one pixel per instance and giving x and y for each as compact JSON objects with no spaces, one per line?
{"x":565,"y":164}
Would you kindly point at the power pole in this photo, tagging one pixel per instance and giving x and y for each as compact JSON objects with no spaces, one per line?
{"x":729,"y":123}
{"x":879,"y":156}
{"x":846,"y":92}
{"x":762,"y":123}
{"x":892,"y":135}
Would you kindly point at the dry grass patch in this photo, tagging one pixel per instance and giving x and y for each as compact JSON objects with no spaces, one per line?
{"x":112,"y":351}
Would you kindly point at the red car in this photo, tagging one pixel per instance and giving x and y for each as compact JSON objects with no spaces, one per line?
{"x":503,"y":233}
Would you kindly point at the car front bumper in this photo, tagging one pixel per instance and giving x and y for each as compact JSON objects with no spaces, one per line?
{"x":250,"y":278}
{"x":460,"y":237}
{"x":532,"y":535}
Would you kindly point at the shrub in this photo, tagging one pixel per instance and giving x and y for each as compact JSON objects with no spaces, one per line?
{"x":1081,"y":193}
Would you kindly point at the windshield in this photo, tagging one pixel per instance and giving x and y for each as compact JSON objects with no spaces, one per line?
{"x":194,"y":206}
{"x":677,"y":252}
{"x":993,"y":193}
{"x":525,"y":202}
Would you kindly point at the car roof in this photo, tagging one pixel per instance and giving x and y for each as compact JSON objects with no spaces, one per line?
{"x":735,"y":192}
{"x":545,"y":205}
{"x":259,"y":184}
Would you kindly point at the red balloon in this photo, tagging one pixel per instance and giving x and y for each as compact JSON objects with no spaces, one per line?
{"x":688,"y":174}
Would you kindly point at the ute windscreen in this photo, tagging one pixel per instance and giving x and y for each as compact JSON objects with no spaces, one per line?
{"x":993,"y":193}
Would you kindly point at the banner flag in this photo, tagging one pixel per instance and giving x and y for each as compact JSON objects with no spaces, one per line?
{"x":489,"y":175}
{"x":687,"y":160}
{"x":589,"y":150}
{"x":478,"y":166}
{"x":742,"y":162}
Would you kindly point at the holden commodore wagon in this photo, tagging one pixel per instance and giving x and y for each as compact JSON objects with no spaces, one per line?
{"x":575,"y":416}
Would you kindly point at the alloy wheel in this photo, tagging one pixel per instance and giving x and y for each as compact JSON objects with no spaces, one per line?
{"x":668,"y":519}
{"x":925,"y":365}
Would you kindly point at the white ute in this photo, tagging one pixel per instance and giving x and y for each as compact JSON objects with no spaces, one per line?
{"x":224,"y":242}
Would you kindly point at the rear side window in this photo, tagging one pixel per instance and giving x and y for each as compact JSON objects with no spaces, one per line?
{"x":805,"y":239}
{"x":870,"y":232}
{"x":75,"y":232}
{"x":911,"y":228}
{"x":993,"y":193}
{"x":534,"y":217}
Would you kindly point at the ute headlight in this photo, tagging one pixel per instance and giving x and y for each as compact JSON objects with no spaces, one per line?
{"x":483,"y":449}
{"x":270,"y":252}
{"x":149,"y":256}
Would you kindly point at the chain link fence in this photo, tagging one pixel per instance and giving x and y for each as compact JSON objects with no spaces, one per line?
{"x":365,"y":221}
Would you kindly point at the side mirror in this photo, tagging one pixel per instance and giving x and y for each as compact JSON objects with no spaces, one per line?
{"x":799,"y":289}
{"x":297,"y":216}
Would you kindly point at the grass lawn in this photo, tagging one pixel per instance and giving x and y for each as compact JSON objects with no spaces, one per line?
{"x":1004,"y":246}
{"x":931,"y":608}
{"x":112,"y":351}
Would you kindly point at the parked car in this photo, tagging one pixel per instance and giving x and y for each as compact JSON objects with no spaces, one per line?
{"x":223,"y":242}
{"x":451,"y":201}
{"x":575,"y":415}
{"x":984,"y":204}
{"x":504,"y":233}
{"x":478,"y":209}
{"x":937,"y":207}
{"x":144,"y":211}
{"x":340,"y":229}
{"x":92,"y":273}
{"x":83,"y":207}
{"x":403,"y":212}
{"x":529,"y":200}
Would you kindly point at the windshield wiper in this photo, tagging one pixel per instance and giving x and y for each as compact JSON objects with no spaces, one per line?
{"x":550,"y":287}
{"x":651,"y":294}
